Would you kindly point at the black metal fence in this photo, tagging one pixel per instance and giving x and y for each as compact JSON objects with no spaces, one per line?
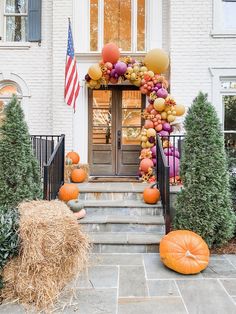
{"x":50,"y":152}
{"x":163,"y":181}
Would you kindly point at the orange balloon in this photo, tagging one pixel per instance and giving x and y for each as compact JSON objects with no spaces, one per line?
{"x":110,"y":53}
{"x":179,"y":109}
{"x":95,"y":72}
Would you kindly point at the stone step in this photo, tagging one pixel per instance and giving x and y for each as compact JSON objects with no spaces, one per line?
{"x":121,"y":207}
{"x":123,"y":242}
{"x":111,"y":223}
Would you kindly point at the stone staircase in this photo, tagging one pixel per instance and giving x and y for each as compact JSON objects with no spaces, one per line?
{"x":118,"y":220}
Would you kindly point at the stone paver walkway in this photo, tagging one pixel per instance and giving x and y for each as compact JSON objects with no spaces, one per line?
{"x":140,"y":284}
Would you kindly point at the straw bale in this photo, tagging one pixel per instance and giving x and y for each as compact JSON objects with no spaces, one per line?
{"x":69,"y":168}
{"x":53,"y":251}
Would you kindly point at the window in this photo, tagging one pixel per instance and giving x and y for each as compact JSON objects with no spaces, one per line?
{"x":224,"y":21}
{"x":228,"y":91}
{"x":120,"y":21}
{"x":15,"y":20}
{"x":229,"y":14}
{"x":7,"y":89}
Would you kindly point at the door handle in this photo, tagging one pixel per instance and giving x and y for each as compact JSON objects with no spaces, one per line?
{"x":119,"y":139}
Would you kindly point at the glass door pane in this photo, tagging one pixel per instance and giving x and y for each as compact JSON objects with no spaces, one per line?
{"x":131,"y":117}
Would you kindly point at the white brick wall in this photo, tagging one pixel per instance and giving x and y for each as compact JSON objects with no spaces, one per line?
{"x":193,"y":50}
{"x":34,"y":67}
{"x":186,"y":36}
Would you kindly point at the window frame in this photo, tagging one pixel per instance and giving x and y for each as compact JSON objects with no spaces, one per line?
{"x":5,"y":15}
{"x":133,"y":39}
{"x":218,"y":29}
{"x":81,"y":20}
{"x":218,"y":75}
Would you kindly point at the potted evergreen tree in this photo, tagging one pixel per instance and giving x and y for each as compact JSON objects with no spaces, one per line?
{"x":20,"y":177}
{"x":204,"y":204}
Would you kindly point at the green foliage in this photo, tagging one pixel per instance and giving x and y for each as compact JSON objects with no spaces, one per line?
{"x":19,"y":170}
{"x":9,"y":239}
{"x":204,"y":204}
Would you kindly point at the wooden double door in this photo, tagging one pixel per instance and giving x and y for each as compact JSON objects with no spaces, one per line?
{"x":115,"y":124}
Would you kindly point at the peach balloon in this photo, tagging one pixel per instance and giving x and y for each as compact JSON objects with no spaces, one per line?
{"x":157,"y":61}
{"x":110,"y":53}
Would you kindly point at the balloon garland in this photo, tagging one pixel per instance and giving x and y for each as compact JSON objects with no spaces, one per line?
{"x":162,"y":110}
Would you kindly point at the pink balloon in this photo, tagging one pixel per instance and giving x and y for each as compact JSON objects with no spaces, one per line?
{"x":166,"y":127}
{"x":174,"y":166}
{"x":162,"y":93}
{"x":154,"y":161}
{"x":163,"y":133}
{"x":120,"y":67}
{"x":153,"y":150}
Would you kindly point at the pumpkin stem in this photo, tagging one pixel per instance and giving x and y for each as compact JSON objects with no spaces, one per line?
{"x":188,"y":254}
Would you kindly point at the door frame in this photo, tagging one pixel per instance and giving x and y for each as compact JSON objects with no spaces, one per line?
{"x":115,"y":122}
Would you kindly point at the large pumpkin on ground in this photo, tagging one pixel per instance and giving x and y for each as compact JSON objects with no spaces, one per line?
{"x":74,"y":157}
{"x":151,"y":195}
{"x":68,"y":192}
{"x":78,"y":175}
{"x":184,"y":251}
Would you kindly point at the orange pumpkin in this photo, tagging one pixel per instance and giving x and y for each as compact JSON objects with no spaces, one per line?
{"x":68,"y":192}
{"x":151,"y":195}
{"x":74,"y":157}
{"x":184,"y":251}
{"x":78,"y":175}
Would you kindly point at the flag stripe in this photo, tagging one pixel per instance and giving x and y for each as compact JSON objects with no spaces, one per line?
{"x":72,"y":85}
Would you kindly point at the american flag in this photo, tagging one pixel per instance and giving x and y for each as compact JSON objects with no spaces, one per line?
{"x":72,"y":86}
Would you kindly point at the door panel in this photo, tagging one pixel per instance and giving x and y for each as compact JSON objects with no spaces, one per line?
{"x":115,"y":131}
{"x":101,"y":133}
{"x":129,"y":124}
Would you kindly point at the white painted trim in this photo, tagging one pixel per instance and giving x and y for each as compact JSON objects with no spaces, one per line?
{"x":15,"y":45}
{"x":14,"y":77}
{"x":154,"y":24}
{"x":217,"y":75}
{"x":134,"y":25}
{"x":100,"y":24}
{"x":80,"y":124}
{"x":80,"y":24}
{"x":218,"y":22}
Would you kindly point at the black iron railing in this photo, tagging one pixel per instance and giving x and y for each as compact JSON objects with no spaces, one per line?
{"x":163,"y":182}
{"x":169,"y":151}
{"x":50,"y":152}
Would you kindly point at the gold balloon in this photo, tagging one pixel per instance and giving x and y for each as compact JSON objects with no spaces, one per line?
{"x":170,"y":118}
{"x":92,"y":83}
{"x":95,"y":72}
{"x":157,"y":61}
{"x":151,"y":132}
{"x":159,"y":104}
{"x":179,"y":109}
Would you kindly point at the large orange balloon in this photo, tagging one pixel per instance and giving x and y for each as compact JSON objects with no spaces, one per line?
{"x":95,"y":72}
{"x":157,"y":61}
{"x":179,"y":109}
{"x":110,"y":53}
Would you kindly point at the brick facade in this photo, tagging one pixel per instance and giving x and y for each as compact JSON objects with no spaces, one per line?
{"x":186,"y":28}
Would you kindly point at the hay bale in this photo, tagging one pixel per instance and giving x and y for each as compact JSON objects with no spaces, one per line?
{"x":69,"y":168}
{"x":53,"y":251}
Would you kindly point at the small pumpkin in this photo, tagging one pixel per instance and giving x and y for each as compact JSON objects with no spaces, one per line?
{"x":68,"y":161}
{"x":151,"y":195}
{"x":74,"y":157}
{"x":75,"y":205}
{"x":68,"y":191}
{"x":184,"y":251}
{"x":81,"y":214}
{"x":78,"y":175}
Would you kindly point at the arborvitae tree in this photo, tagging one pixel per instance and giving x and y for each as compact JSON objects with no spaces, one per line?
{"x":19,"y":170}
{"x":204,"y":204}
